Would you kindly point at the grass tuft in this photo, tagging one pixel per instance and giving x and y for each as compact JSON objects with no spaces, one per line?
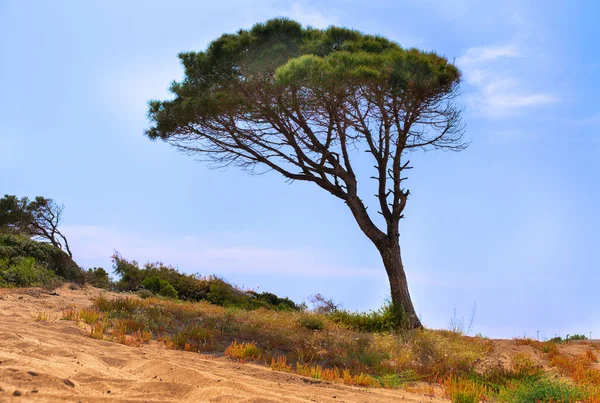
{"x":42,"y":317}
{"x":464,"y":390}
{"x":245,"y":351}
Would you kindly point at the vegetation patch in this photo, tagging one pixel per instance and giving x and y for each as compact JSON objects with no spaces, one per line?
{"x":27,"y":263}
{"x":309,"y":344}
{"x":164,"y":280}
{"x":387,"y":318}
{"x":319,"y":346}
{"x":244,"y":351}
{"x":542,"y":390}
{"x":311,"y":322}
{"x":25,"y":272}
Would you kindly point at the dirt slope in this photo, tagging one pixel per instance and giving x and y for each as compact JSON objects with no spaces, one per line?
{"x":54,"y":360}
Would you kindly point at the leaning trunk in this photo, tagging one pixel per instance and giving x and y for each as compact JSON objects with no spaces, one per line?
{"x":403,"y":305}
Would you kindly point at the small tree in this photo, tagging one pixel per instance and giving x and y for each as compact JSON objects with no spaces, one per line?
{"x":37,"y":218}
{"x":323,"y":305}
{"x":302,"y":102}
{"x":47,"y":216}
{"x":98,"y":277}
{"x":14,"y":216}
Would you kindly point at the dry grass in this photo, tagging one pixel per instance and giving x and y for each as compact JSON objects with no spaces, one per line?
{"x":245,"y":351}
{"x":285,"y":341}
{"x":461,"y":390}
{"x":42,"y":317}
{"x":578,"y":368}
{"x":280,"y":364}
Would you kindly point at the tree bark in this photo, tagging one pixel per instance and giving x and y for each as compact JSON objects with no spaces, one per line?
{"x":392,"y":261}
{"x":389,"y":248}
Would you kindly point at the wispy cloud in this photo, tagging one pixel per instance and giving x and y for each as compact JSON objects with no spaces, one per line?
{"x":487,"y":54}
{"x":499,"y":90}
{"x":205,"y":254}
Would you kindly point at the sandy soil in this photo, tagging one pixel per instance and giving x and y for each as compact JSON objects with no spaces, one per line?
{"x":54,"y":360}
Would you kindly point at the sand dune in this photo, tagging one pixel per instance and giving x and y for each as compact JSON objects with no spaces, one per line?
{"x":54,"y":360}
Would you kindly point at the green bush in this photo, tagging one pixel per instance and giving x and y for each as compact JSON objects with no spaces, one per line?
{"x":145,"y":293}
{"x":222,"y":293}
{"x":167,"y":290}
{"x":25,"y":272}
{"x":98,"y":277}
{"x":271,"y":300}
{"x":192,"y":287}
{"x":152,"y":283}
{"x":130,"y":273}
{"x":159,"y":286}
{"x":46,"y":255}
{"x":576,"y":337}
{"x":188,"y":287}
{"x":542,"y":391}
{"x":387,"y":318}
{"x":311,"y":322}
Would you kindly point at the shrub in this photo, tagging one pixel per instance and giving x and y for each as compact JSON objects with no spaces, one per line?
{"x":541,"y":390}
{"x":46,"y":255}
{"x":143,"y":293}
{"x":159,"y":286}
{"x":152,"y":283}
{"x":387,"y":318}
{"x":167,"y":290}
{"x":25,"y":272}
{"x":221,"y":293}
{"x":272,"y":300}
{"x":131,"y":275}
{"x":167,"y":281}
{"x":188,"y":287}
{"x":311,"y":322}
{"x":98,"y":277}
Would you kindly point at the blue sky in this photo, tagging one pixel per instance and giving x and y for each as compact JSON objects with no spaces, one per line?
{"x":511,"y":223}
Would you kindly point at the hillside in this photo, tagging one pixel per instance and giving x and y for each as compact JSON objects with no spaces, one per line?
{"x":46,"y":358}
{"x":56,"y":351}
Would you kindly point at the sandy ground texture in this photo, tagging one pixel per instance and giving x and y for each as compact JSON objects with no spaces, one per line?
{"x":54,"y":360}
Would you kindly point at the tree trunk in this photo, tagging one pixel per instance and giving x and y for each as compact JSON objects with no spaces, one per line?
{"x":388,"y":245}
{"x":392,"y":260}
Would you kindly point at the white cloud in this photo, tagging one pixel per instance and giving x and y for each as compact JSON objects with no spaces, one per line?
{"x":208,"y":254}
{"x":474,"y":56}
{"x":493,"y":71}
